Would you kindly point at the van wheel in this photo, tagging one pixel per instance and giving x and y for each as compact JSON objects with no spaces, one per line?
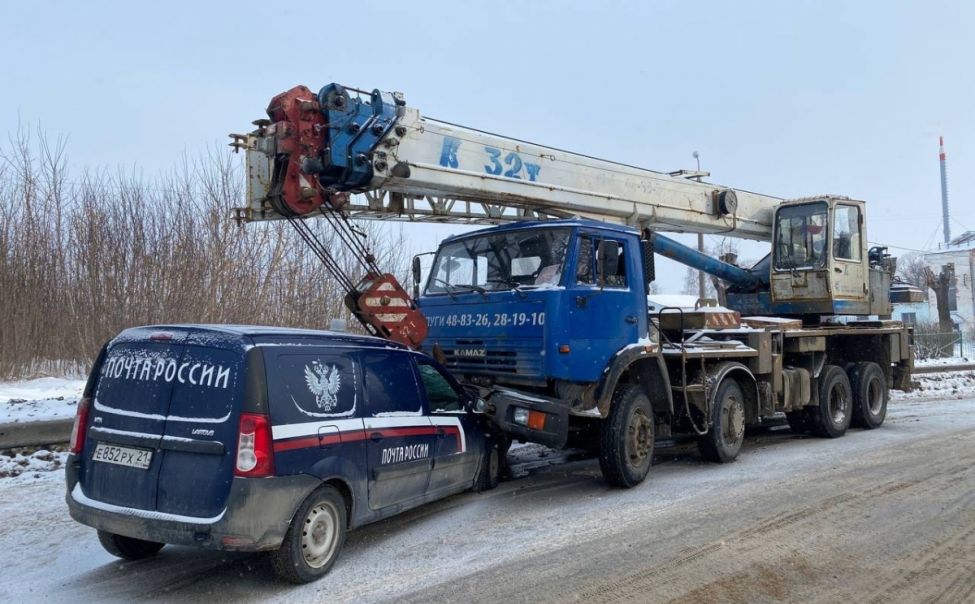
{"x":128,"y":548}
{"x":723,"y":441}
{"x":870,"y":395}
{"x":490,"y":471}
{"x":315,"y":538}
{"x":831,"y":417}
{"x":626,"y":438}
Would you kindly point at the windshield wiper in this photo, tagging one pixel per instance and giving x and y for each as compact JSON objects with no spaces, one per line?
{"x":512,"y":285}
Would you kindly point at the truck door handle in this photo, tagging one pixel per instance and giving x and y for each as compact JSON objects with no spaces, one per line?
{"x":376,"y":436}
{"x":837,"y":269}
{"x":630,"y":319}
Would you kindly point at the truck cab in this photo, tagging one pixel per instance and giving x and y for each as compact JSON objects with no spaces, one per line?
{"x":538,"y":306}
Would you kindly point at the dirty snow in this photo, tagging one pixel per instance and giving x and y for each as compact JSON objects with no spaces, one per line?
{"x":939,"y":362}
{"x":25,"y":466}
{"x":39,"y":399}
{"x":948,"y":385}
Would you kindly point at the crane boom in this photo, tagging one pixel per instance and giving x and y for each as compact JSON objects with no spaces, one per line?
{"x":316,"y":149}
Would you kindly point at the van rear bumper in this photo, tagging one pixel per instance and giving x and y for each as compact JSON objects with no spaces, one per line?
{"x":256,"y":518}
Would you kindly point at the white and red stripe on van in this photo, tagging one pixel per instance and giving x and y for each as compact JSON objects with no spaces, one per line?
{"x":288,"y":437}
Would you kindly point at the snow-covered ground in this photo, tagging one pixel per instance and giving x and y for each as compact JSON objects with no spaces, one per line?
{"x":39,"y":399}
{"x":28,"y":466}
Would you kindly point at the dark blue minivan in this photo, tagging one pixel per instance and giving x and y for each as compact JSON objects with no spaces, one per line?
{"x":266,"y":439}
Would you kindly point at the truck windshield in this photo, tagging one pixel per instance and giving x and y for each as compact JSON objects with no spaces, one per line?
{"x":519,"y":259}
{"x":800,"y":236}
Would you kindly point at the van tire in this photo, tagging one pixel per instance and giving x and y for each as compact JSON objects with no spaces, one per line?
{"x":128,"y":548}
{"x":831,"y":417}
{"x":870,"y":395}
{"x":315,"y":538}
{"x":723,"y":441}
{"x":489,"y":474}
{"x":627,"y":438}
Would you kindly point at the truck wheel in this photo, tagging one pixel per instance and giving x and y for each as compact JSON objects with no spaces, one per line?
{"x":723,"y":441}
{"x":626,"y":438}
{"x":314,"y":539}
{"x":798,"y":421}
{"x":831,"y":417}
{"x":489,"y":473}
{"x":870,"y":395}
{"x":128,"y":548}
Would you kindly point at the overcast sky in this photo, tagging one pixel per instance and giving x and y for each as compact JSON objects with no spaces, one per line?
{"x":788,"y":98}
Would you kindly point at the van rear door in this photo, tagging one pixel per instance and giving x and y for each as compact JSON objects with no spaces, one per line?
{"x":131,"y":402}
{"x":200,"y":436}
{"x":166,"y":400}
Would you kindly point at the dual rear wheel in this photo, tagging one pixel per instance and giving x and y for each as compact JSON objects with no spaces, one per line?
{"x":854,"y":397}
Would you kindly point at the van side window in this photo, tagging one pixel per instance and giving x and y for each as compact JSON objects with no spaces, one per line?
{"x":390,"y":384}
{"x":313,"y":385}
{"x":441,"y":395}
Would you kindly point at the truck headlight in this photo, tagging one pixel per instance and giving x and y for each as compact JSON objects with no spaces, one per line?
{"x":520,"y":416}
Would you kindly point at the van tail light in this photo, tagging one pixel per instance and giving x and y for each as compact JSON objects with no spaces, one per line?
{"x":255,"y":458}
{"x":78,"y":429}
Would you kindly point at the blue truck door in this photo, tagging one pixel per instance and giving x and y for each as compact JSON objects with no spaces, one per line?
{"x":455,"y":463}
{"x":400,"y":440}
{"x":602,"y":319}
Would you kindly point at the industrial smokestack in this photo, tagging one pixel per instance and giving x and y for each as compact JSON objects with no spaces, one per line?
{"x":944,"y":190}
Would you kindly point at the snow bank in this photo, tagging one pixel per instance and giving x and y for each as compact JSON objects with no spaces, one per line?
{"x":940,"y":362}
{"x":948,"y":385}
{"x":21,"y":466}
{"x":43,"y":398}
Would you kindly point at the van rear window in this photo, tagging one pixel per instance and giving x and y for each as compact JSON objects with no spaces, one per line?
{"x":307,"y":386}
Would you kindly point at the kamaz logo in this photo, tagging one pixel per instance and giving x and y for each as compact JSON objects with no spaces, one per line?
{"x":476,"y":353}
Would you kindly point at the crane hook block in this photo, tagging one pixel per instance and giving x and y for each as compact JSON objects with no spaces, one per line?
{"x":380,"y":303}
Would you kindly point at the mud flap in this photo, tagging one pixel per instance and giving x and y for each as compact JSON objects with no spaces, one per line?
{"x":552,"y":432}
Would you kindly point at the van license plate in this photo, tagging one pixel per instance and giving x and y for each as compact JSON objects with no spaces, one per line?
{"x":123,"y":456}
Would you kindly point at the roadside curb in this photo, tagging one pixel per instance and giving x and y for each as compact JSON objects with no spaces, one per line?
{"x":46,"y":432}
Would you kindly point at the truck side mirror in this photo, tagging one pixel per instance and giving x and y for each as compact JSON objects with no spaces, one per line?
{"x":416,"y":269}
{"x":607,"y":259}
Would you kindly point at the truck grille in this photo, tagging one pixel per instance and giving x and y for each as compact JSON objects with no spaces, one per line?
{"x":513,"y":356}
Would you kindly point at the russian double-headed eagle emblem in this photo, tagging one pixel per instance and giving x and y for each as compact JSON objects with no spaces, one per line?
{"x":324,"y":383}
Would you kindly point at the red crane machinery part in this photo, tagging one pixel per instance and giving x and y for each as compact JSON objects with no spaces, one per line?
{"x":298,"y":128}
{"x":381,"y":302}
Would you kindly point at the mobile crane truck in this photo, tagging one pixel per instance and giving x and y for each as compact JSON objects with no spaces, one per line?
{"x":547,"y":312}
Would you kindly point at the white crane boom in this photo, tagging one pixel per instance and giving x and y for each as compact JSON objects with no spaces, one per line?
{"x":321,"y":148}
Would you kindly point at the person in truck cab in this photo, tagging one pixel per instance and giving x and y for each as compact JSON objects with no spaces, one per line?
{"x":264,"y":439}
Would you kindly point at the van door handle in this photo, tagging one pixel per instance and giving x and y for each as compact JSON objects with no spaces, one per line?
{"x":837,"y":269}
{"x":630,"y":319}
{"x":376,"y":436}
{"x":441,"y":433}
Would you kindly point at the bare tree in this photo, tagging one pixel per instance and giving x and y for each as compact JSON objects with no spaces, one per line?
{"x":83,"y":258}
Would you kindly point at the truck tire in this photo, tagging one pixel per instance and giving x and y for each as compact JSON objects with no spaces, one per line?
{"x":128,"y":548}
{"x":314,"y":539}
{"x":831,"y":417}
{"x":870,"y":395}
{"x":627,"y":438}
{"x":723,"y":441}
{"x":489,"y":473}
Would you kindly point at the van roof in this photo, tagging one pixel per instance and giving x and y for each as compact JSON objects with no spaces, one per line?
{"x":260,"y":333}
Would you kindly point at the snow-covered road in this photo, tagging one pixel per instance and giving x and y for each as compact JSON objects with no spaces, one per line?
{"x":559,"y":533}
